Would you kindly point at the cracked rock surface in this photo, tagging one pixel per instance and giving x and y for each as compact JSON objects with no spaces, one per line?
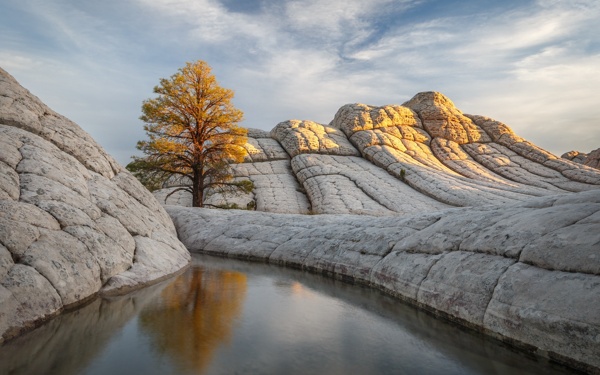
{"x":73,"y":222}
{"x":276,"y":188}
{"x":452,"y":212}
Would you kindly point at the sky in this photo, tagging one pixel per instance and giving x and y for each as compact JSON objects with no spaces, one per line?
{"x":534,"y":65}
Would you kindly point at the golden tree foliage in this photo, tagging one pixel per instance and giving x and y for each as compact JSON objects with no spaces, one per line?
{"x":193,"y":134}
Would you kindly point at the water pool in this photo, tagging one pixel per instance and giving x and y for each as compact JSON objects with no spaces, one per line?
{"x":230,"y":317}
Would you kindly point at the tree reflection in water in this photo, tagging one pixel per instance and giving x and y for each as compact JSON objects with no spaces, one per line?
{"x":194,"y":316}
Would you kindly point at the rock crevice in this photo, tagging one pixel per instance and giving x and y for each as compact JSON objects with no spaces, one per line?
{"x":452,"y":212}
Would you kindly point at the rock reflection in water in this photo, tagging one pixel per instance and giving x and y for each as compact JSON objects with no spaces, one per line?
{"x":194,"y":316}
{"x":70,"y":342}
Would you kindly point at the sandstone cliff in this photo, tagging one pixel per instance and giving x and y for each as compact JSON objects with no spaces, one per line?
{"x":73,"y":222}
{"x":452,"y":212}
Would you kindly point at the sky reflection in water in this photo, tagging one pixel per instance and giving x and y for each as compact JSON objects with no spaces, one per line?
{"x":228,"y":317}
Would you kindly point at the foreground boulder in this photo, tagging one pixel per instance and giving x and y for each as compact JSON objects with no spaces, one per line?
{"x":73,"y":222}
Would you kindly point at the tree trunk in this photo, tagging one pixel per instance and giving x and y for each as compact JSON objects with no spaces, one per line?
{"x":197,"y":189}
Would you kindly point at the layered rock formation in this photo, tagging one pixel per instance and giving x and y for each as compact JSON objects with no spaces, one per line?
{"x":452,"y":212}
{"x":73,"y":222}
{"x":426,"y":151}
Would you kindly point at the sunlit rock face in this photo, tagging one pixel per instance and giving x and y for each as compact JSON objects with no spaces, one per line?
{"x":73,"y":222}
{"x":453,"y":212}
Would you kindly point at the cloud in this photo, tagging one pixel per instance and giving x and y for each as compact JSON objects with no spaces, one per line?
{"x":12,"y":61}
{"x":332,"y":20}
{"x":206,"y":21}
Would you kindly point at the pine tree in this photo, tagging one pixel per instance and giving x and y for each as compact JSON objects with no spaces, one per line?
{"x":193,"y":134}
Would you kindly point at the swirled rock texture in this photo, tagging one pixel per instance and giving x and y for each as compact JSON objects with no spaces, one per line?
{"x":422,"y":156}
{"x":73,"y":222}
{"x":453,"y":212}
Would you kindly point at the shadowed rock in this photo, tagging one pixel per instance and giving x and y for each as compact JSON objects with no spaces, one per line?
{"x":483,"y":267}
{"x":452,"y":212}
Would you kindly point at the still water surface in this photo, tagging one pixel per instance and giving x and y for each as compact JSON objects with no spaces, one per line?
{"x":231,"y":317}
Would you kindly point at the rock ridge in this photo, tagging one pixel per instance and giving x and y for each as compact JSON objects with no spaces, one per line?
{"x":450,"y":211}
{"x":592,"y":159}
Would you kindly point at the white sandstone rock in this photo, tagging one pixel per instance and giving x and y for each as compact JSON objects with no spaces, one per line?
{"x":575,"y":156}
{"x":442,"y":119}
{"x":593,"y":159}
{"x":554,"y":311}
{"x":301,"y":137}
{"x":352,"y":118}
{"x":390,"y":224}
